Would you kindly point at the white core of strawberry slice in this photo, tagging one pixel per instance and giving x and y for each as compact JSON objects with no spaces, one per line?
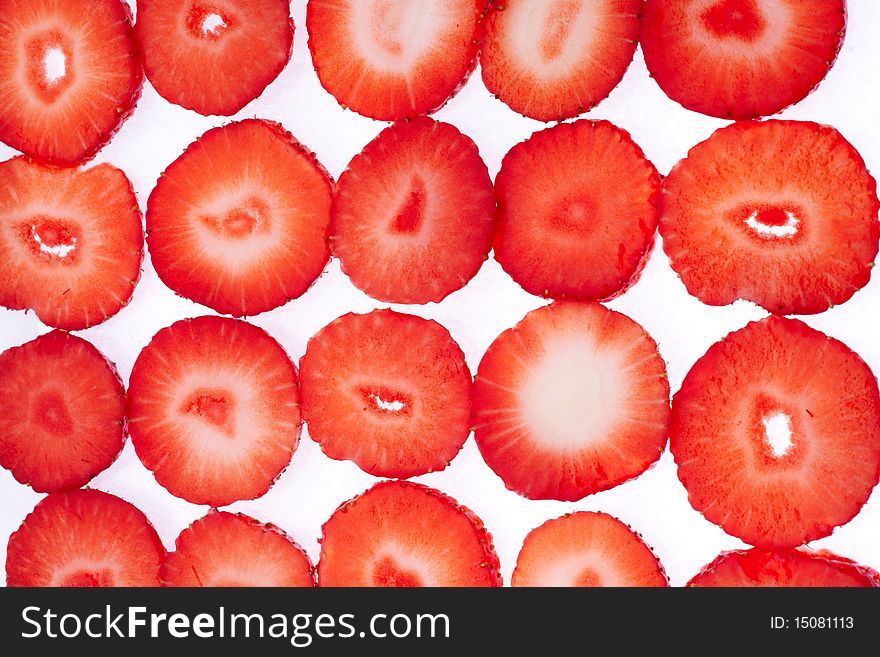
{"x":551,"y":36}
{"x":54,"y":65}
{"x":787,"y":229}
{"x":574,"y":394}
{"x":777,"y":430}
{"x":586,"y":569}
{"x":393,"y":35}
{"x":213,"y":24}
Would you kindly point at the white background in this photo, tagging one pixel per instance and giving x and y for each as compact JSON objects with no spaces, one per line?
{"x":655,"y":504}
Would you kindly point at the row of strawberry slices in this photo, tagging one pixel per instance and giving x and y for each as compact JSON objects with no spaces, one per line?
{"x":396,"y":534}
{"x":571,"y":401}
{"x":70,"y":74}
{"x":781,"y":213}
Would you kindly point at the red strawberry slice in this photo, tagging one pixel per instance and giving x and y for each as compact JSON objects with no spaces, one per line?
{"x":401,"y":534}
{"x":554,"y":60}
{"x":741,"y":59}
{"x":389,"y":391}
{"x":213,"y":56}
{"x":70,"y":75}
{"x":71,"y":242}
{"x":391,"y":59}
{"x":571,"y":401}
{"x":84,"y":538}
{"x":776,"y":433}
{"x":577,"y":211}
{"x":225,"y":549}
{"x":213,"y":410}
{"x":414,"y":212}
{"x":62,"y":412}
{"x":781,"y":213}
{"x":239,"y":222}
{"x":586,"y":549}
{"x":799,"y":567}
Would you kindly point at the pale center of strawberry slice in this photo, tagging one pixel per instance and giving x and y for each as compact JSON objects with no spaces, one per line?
{"x":395,"y":34}
{"x":51,"y":240}
{"x":573,"y":215}
{"x":774,"y":430}
{"x":777,"y":431}
{"x":558,"y":23}
{"x":386,"y":402}
{"x":205,"y":21}
{"x":408,"y":218}
{"x":573,"y":396}
{"x":735,"y":19}
{"x":249,"y":217}
{"x":49,"y":66}
{"x":212,"y":406}
{"x":770,"y":222}
{"x":388,"y":572}
{"x":88,"y":578}
{"x":50,"y":412}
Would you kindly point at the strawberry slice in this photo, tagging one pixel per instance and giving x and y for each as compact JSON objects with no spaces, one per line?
{"x":781,"y":213}
{"x":776,"y":433}
{"x":239,"y":222}
{"x":577,"y":211}
{"x":71,"y":242}
{"x":226,"y":549}
{"x":84,"y":538}
{"x":389,"y":391}
{"x":556,"y":59}
{"x":213,"y":410}
{"x":586,"y":549}
{"x":414,"y":212}
{"x":62,"y":412}
{"x":391,"y":59}
{"x":405,"y":535}
{"x":213,"y":56}
{"x":70,"y":75}
{"x":741,"y":59}
{"x":571,"y":401}
{"x":801,"y":567}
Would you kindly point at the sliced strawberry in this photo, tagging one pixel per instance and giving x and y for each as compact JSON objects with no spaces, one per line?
{"x":84,"y":538}
{"x":213,"y":410}
{"x":571,"y":401}
{"x":577,"y":211}
{"x":403,"y":534}
{"x":213,"y":56}
{"x":554,"y":60}
{"x":69,"y":76}
{"x":414,"y":212}
{"x":776,"y":433}
{"x":389,"y":391}
{"x":741,"y":59}
{"x":781,"y":213}
{"x":71,"y":242}
{"x":391,"y":59}
{"x":801,"y":567}
{"x":586,"y":549}
{"x":225,"y":549}
{"x":239,"y":222}
{"x":62,"y":412}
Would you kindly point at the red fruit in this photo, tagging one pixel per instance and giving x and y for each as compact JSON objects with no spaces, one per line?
{"x":781,"y":213}
{"x":239,"y":222}
{"x":799,"y":567}
{"x":84,"y":538}
{"x":741,"y":59}
{"x":213,"y":410}
{"x":71,"y":242}
{"x":577,"y":211}
{"x":70,"y":75}
{"x":776,"y":433}
{"x":62,"y":412}
{"x":391,"y":59}
{"x":414,"y":213}
{"x":586,"y":549}
{"x":571,"y":401}
{"x":389,"y":391}
{"x":554,"y":60}
{"x":225,"y":549}
{"x":213,"y":56}
{"x":403,"y":534}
